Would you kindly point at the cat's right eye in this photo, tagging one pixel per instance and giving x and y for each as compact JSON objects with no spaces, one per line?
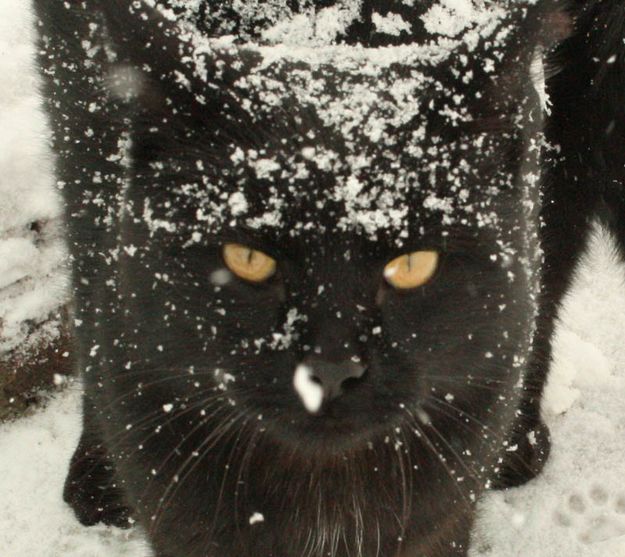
{"x":411,"y":270}
{"x":248,"y":263}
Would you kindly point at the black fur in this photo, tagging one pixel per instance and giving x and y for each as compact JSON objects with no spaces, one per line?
{"x":194,"y":457}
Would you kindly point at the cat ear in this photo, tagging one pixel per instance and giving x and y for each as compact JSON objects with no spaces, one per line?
{"x":152,"y":57}
{"x":167,"y":71}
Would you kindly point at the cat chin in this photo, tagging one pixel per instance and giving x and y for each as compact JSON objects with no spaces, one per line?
{"x":329,"y":436}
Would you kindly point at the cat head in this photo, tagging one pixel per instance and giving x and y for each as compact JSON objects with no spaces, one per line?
{"x":328,"y":242}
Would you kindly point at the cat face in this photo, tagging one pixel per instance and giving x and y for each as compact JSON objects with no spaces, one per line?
{"x":317,"y":173}
{"x":305,"y":275}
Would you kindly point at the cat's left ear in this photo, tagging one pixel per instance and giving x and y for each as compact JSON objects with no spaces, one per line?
{"x":157,"y":62}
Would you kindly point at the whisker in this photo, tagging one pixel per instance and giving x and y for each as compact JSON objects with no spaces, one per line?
{"x":243,"y":467}
{"x":204,"y":419}
{"x":483,"y":383}
{"x":472,"y":473}
{"x":144,"y":386}
{"x":155,"y":415}
{"x":419,"y":431}
{"x":515,"y":455}
{"x":227,"y":470}
{"x":204,"y":447}
{"x":404,"y":490}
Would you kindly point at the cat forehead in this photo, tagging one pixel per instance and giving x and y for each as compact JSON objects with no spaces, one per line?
{"x":293,"y":134}
{"x":309,"y":145}
{"x":316,"y":189}
{"x":371,"y":150}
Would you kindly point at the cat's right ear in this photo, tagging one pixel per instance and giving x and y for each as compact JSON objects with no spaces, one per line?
{"x":156,"y":61}
{"x":135,"y":52}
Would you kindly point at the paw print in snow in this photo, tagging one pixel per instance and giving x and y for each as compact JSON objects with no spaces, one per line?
{"x":593,"y":517}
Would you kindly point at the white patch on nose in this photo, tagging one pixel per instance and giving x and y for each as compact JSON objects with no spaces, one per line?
{"x":308,"y":390}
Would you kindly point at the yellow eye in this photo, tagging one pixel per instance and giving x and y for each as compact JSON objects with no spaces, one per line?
{"x":247,"y":263}
{"x":412,"y":269}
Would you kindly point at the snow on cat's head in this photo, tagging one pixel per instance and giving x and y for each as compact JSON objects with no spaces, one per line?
{"x":427,"y":123}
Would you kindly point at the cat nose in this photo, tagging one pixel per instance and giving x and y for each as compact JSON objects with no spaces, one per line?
{"x":318,"y":381}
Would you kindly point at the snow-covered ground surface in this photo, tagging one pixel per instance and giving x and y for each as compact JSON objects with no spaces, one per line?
{"x":576,"y":508}
{"x":32,"y":281}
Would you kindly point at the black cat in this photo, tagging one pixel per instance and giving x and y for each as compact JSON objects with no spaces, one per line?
{"x":315,"y":285}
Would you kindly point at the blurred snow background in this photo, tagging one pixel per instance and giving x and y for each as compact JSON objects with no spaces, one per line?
{"x":575,"y":508}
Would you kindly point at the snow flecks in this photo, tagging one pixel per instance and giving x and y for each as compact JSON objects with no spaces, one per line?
{"x":155,"y":224}
{"x":256,"y":518}
{"x":282,"y":340}
{"x":452,"y":17}
{"x":223,"y":378}
{"x":264,"y":168}
{"x":220,"y":277}
{"x":390,"y":24}
{"x":313,"y":27}
{"x":238,"y":204}
{"x":309,"y":390}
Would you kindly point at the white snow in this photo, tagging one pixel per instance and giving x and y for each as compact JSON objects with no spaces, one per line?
{"x":32,"y":275}
{"x":34,"y":521}
{"x":256,"y":518}
{"x":451,"y":17}
{"x":390,"y":24}
{"x":575,"y":508}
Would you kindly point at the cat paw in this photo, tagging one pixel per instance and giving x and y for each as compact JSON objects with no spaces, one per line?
{"x":594,"y":516}
{"x":90,"y":490}
{"x":525,"y":457}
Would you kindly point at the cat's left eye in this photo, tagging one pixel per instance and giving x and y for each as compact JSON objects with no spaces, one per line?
{"x":248,"y":263}
{"x":411,"y":270}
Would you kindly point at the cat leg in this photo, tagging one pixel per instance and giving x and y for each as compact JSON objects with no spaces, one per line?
{"x":90,"y":487}
{"x":529,"y":443}
{"x":566,"y":223}
{"x":586,"y":125}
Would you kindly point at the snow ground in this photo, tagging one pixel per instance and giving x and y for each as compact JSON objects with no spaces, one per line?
{"x":575,"y":508}
{"x":32,"y":281}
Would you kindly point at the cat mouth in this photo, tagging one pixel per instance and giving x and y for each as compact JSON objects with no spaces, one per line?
{"x":337,"y":427}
